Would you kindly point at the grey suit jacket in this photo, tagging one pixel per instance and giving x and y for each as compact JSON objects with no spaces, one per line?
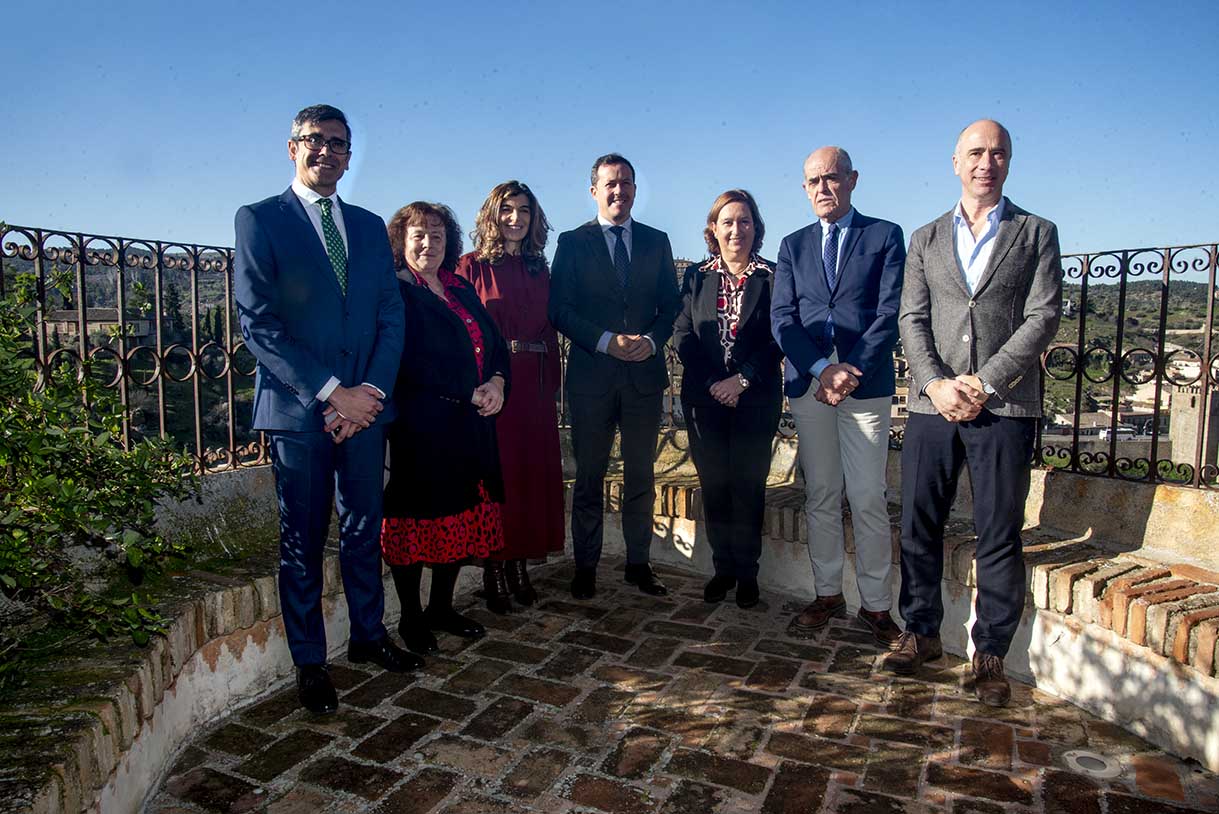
{"x":998,"y":333}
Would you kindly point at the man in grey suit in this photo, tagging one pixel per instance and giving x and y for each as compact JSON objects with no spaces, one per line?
{"x":982,"y":300}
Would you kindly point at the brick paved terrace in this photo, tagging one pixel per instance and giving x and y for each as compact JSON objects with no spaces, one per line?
{"x":629,"y":704}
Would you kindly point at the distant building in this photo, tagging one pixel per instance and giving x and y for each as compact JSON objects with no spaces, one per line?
{"x":1189,"y":404}
{"x":103,"y":320}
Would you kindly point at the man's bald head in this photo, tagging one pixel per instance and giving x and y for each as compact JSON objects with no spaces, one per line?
{"x":831,"y":156}
{"x":985,"y":125}
{"x":829,"y":180}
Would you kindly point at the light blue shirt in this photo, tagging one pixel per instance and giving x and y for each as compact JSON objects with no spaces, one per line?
{"x":973,"y":256}
{"x":611,"y":243}
{"x":844,"y":223}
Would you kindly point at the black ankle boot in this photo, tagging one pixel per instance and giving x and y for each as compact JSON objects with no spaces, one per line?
{"x":518,"y":583}
{"x":495,"y":587}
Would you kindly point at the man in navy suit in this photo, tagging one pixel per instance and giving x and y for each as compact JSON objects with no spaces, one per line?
{"x":837,"y":290}
{"x":320,"y":311}
{"x":613,"y":293}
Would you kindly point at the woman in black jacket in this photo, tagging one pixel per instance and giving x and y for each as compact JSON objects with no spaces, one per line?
{"x":731,"y":391}
{"x":442,"y":502}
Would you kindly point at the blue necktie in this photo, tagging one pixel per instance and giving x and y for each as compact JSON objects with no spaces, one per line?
{"x":829,"y":259}
{"x":622,"y":261}
{"x":829,"y":255}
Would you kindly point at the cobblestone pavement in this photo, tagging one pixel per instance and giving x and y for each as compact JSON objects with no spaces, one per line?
{"x":632,"y":704}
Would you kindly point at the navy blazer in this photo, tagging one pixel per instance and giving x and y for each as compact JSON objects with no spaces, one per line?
{"x":586,"y":300}
{"x":864,"y":303}
{"x":295,"y":319}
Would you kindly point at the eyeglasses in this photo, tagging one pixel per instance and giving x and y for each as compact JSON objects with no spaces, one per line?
{"x":314,"y":142}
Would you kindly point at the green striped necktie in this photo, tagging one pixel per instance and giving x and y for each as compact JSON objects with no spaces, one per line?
{"x":334,"y":244}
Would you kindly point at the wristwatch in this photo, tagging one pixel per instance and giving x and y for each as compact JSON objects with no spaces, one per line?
{"x":740,"y":377}
{"x":986,"y":388}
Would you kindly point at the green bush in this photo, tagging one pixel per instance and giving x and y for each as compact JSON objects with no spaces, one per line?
{"x":77,"y":516}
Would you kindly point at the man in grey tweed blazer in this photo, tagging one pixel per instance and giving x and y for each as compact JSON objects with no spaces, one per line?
{"x":982,"y":300}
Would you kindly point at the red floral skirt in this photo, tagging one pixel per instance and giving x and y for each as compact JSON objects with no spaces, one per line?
{"x":474,"y":533}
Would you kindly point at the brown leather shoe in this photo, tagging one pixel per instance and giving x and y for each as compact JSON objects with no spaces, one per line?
{"x":911,"y":652}
{"x":816,"y":616}
{"x":990,"y":684}
{"x":884,"y":630}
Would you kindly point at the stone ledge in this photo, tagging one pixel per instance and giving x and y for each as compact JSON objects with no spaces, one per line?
{"x":101,"y":728}
{"x":1153,"y":628}
{"x":1171,"y":609}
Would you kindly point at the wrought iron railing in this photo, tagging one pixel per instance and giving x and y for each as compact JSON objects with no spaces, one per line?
{"x":1130,"y":383}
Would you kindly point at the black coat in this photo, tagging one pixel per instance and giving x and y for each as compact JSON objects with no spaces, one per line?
{"x":440,"y":448}
{"x":755,"y":355}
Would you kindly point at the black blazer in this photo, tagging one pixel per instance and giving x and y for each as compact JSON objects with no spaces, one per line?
{"x":755,"y":355}
{"x":440,"y":447}
{"x":586,"y":300}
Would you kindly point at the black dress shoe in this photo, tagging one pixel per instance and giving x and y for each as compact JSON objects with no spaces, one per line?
{"x":519,"y":584}
{"x":584,"y":583}
{"x":495,"y":587}
{"x":641,"y":577}
{"x":718,"y":587}
{"x":450,"y":621}
{"x":384,"y":653}
{"x":747,"y":593}
{"x":417,"y":638}
{"x":314,"y":689}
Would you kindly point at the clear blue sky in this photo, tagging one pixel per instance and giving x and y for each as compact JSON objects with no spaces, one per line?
{"x":157,"y":120}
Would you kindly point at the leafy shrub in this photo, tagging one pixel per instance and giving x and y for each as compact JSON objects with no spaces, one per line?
{"x":71,"y":497}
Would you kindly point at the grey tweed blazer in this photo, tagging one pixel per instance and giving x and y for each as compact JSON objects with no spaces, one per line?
{"x":999,"y":332}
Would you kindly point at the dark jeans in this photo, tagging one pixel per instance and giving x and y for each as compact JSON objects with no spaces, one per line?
{"x":313,"y":475}
{"x":593,"y":421}
{"x":731,"y":447}
{"x":998,"y":451}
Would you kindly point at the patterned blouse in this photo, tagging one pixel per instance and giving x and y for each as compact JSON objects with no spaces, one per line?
{"x":731,"y":294}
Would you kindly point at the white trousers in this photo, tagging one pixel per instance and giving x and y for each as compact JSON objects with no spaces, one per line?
{"x":849,"y":442}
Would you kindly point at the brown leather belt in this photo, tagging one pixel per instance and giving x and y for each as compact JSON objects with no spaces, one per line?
{"x":516,"y":346}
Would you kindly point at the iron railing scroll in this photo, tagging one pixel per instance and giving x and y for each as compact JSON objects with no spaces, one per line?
{"x":1130,"y":383}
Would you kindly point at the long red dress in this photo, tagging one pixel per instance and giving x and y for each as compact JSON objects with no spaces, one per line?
{"x":528,"y":427}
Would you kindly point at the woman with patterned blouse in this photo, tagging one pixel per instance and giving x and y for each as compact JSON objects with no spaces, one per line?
{"x":731,"y":390}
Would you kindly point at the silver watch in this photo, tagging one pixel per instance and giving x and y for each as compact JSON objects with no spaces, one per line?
{"x":740,"y":377}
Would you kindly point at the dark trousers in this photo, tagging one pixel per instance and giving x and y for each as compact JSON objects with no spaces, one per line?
{"x":593,"y":419}
{"x":998,"y":451}
{"x":731,"y":447}
{"x":312,"y":474}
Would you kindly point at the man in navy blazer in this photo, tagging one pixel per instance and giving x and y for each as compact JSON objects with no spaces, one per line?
{"x":320,"y":311}
{"x":837,"y":290}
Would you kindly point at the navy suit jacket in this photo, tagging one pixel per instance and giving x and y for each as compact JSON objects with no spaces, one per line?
{"x":295,"y":319}
{"x":586,"y":300}
{"x":863,"y":303}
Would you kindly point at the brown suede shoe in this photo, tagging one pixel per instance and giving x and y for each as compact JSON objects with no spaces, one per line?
{"x":990,"y":684}
{"x":911,"y":652}
{"x":884,"y":630}
{"x":816,"y":616}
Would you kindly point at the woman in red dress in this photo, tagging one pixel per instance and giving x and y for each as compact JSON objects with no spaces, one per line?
{"x":509,"y":272}
{"x":443,"y":498}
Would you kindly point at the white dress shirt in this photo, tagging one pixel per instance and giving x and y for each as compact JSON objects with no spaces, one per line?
{"x":309,"y":200}
{"x":973,"y":256}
